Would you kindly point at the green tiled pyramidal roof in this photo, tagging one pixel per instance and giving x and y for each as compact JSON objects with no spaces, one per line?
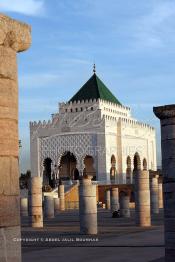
{"x":94,"y":88}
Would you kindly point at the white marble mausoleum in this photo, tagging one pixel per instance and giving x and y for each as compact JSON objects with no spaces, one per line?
{"x":93,"y":133}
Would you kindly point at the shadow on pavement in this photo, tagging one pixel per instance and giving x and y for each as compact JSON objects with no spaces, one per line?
{"x":161,"y":259}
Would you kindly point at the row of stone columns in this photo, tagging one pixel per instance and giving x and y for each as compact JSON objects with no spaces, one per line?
{"x":55,"y":206}
{"x":114,"y":203}
{"x":33,"y":205}
{"x":148,"y":197}
{"x":87,"y":199}
{"x":87,"y":203}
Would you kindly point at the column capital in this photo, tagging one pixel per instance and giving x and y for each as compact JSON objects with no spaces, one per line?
{"x":14,"y":34}
{"x":164,"y":112}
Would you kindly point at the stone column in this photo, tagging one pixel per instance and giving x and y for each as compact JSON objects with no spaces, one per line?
{"x":36,"y":218}
{"x":154,"y":193}
{"x":166,"y":114}
{"x":160,"y":193}
{"x":56,"y":206}
{"x":24,"y":206}
{"x":114,"y":199}
{"x":108,"y":199}
{"x":61,"y":197}
{"x":87,"y":207}
{"x":14,"y":37}
{"x":124,"y":206}
{"x":49,"y":207}
{"x":142,"y":198}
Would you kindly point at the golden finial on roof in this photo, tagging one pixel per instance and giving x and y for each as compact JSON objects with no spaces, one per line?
{"x":94,"y":68}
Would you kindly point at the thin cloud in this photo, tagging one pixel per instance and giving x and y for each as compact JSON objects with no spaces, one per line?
{"x":38,"y":80}
{"x":26,"y":7}
{"x":153,"y":29}
{"x":37,"y":105}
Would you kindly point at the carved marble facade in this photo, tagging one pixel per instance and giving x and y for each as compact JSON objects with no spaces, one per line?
{"x":102,"y":129}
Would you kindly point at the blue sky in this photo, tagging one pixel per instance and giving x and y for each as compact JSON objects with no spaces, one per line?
{"x":131,"y":42}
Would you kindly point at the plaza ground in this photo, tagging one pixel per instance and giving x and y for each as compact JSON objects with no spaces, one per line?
{"x":118,"y":240}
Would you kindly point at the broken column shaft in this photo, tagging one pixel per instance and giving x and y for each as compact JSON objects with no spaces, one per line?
{"x":87,"y":207}
{"x":142,"y":198}
{"x":36,"y":215}
{"x":14,"y":37}
{"x":114,"y":199}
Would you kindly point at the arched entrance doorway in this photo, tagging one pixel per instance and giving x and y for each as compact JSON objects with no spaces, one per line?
{"x":128,"y":171}
{"x":47,"y":173}
{"x":75,"y":174}
{"x":89,"y":169}
{"x":67,"y":167}
{"x":137,"y":164}
{"x":144,"y":164}
{"x":113,"y":169}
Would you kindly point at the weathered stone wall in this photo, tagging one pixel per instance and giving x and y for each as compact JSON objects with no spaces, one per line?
{"x":14,"y":37}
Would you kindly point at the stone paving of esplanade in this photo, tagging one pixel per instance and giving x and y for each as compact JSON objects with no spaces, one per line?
{"x":118,"y":240}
